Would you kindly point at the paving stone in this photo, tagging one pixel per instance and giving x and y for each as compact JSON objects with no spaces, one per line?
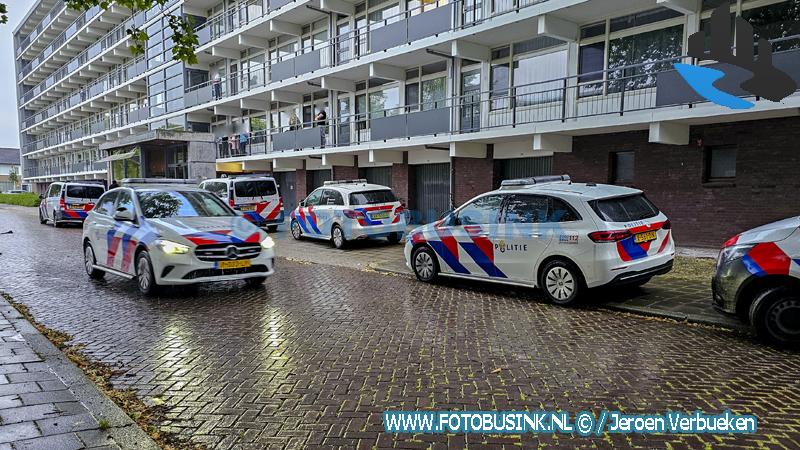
{"x":10,"y":401}
{"x":67,"y":424}
{"x":17,"y":431}
{"x":60,"y":442}
{"x":36,"y":398}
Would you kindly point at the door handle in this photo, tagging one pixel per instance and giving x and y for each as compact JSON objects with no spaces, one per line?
{"x":536,"y":235}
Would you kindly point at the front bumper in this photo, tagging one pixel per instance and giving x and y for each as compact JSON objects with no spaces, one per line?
{"x":188,"y":269}
{"x":728,"y":280}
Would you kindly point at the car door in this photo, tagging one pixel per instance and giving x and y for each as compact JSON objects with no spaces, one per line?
{"x":100,"y":226}
{"x":325,"y":211}
{"x":525,"y":234}
{"x":52,"y":200}
{"x":307,"y":216}
{"x":123,"y":240}
{"x":475,"y":230}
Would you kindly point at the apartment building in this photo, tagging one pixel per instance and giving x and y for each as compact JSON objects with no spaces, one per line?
{"x":440,"y":99}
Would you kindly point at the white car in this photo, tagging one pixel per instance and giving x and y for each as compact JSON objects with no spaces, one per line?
{"x":68,"y":201}
{"x":172,"y":234}
{"x":550,"y":233}
{"x":342,"y":211}
{"x":256,"y":196}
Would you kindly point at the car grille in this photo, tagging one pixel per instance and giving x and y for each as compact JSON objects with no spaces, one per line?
{"x":225,"y":252}
{"x":204,"y":273}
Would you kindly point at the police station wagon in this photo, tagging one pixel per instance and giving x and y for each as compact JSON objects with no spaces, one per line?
{"x":550,"y":233}
{"x":343,"y":211}
{"x":256,"y":196}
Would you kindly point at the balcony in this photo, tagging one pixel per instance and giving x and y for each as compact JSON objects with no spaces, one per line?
{"x":70,"y":169}
{"x":23,"y":44}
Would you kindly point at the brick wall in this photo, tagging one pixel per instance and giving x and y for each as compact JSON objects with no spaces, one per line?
{"x":766,"y":187}
{"x":300,"y":185}
{"x":473,"y":176}
{"x":400,"y":182}
{"x":345,"y":172}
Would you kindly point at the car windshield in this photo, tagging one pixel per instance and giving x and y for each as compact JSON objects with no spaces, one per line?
{"x":624,"y":209}
{"x":78,"y":191}
{"x":254,"y":188}
{"x":165,"y":204}
{"x":372,"y":197}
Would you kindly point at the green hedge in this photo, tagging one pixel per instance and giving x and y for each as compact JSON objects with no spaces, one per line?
{"x":26,"y":199}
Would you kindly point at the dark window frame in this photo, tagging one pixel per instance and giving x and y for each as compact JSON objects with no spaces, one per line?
{"x":613,"y":172}
{"x":708,"y":161}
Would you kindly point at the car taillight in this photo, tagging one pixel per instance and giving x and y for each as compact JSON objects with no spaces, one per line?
{"x":731,"y":242}
{"x":667,"y":225}
{"x":609,"y":236}
{"x":61,"y":203}
{"x":350,"y":214}
{"x":280,"y":202}
{"x":231,"y":202}
{"x":400,"y":210}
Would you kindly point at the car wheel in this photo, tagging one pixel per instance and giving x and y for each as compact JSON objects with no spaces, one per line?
{"x":145,"y":278}
{"x":337,"y":237}
{"x":561,"y":283}
{"x":425,"y":264}
{"x":394,"y":238}
{"x":255,"y":282}
{"x":775,"y":315}
{"x":272,"y":228}
{"x":89,"y":262}
{"x":296,"y":231}
{"x":56,"y":223}
{"x":42,"y":219}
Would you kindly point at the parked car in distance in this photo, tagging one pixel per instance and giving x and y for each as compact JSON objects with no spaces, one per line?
{"x":256,"y":196}
{"x":548,"y":232}
{"x":342,"y":211}
{"x":758,"y":278}
{"x":165,"y":232}
{"x":69,"y":201}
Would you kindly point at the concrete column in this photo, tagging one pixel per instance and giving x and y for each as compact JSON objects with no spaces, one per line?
{"x":201,"y":157}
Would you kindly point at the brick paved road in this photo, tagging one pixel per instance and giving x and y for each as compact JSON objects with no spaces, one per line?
{"x":315,"y":356}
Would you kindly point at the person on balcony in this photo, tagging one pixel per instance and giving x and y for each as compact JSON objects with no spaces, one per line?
{"x":294,"y":122}
{"x":243,"y":142}
{"x":321,"y":121}
{"x":216,"y":86}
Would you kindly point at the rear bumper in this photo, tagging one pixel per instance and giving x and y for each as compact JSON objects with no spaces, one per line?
{"x":64,"y":216}
{"x":639,"y":275}
{"x":374,"y":231}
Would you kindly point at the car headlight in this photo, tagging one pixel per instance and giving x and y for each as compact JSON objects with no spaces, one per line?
{"x":732,"y":253}
{"x":172,"y":248}
{"x":267,"y":243}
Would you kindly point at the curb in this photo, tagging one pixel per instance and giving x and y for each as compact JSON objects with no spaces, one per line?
{"x":125,"y":432}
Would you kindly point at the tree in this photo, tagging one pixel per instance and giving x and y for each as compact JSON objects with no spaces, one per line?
{"x":183,"y":34}
{"x":13,"y":177}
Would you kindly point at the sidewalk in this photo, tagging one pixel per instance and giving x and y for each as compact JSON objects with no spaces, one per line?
{"x":46,"y":402}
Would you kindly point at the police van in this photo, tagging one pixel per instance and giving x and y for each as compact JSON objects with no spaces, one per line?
{"x":256,"y":196}
{"x":342,"y":211}
{"x":69,"y":201}
{"x":548,"y":232}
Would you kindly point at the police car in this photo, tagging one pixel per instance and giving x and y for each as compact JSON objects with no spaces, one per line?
{"x":758,"y":278}
{"x":256,"y":196}
{"x":167,"y":232}
{"x":547,"y":232}
{"x":69,"y":201}
{"x":342,"y":211}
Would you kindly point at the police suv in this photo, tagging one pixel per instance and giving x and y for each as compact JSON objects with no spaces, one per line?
{"x":69,"y":201}
{"x":342,"y":211}
{"x":758,"y":278}
{"x":256,"y":196}
{"x":548,"y":232}
{"x":167,"y":232}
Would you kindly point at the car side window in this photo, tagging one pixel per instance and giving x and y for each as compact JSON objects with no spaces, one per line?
{"x":331,"y":197}
{"x":561,"y":211}
{"x":337,"y":198}
{"x":124,"y":200}
{"x":485,"y":210}
{"x":105,"y":205}
{"x":55,"y":190}
{"x":523,"y":208}
{"x":313,"y":198}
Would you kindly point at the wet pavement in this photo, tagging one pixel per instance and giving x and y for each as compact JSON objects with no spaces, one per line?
{"x":314,"y":357}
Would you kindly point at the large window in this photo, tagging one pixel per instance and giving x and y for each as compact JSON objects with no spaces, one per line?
{"x":622,"y":167}
{"x":649,"y":53}
{"x":776,"y":21}
{"x":529,"y":71}
{"x":720,"y":163}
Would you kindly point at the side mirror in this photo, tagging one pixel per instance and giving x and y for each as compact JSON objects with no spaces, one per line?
{"x":303,"y":204}
{"x":41,"y":197}
{"x":124,"y":215}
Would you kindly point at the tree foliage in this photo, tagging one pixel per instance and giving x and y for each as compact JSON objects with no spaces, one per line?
{"x":183,"y":34}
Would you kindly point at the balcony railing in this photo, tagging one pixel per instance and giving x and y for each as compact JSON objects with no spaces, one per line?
{"x":77,"y":168}
{"x":23,"y":43}
{"x":111,"y":38}
{"x":408,"y":26}
{"x":619,"y":91}
{"x":234,"y":18}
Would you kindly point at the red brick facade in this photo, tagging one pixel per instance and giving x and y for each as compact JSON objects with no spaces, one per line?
{"x":766,"y":187}
{"x":300,"y":185}
{"x":473,"y":176}
{"x":345,"y":172}
{"x":401,"y":182}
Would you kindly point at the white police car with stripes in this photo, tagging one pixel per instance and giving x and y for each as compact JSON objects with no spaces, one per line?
{"x":548,"y":232}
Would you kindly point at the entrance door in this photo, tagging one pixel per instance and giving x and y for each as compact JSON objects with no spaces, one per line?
{"x":379,"y":175}
{"x":525,"y":168}
{"x":471,"y":101}
{"x":316,"y":178}
{"x":431,"y":192}
{"x":287,"y":189}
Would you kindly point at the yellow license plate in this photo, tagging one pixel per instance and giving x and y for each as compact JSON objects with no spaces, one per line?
{"x":76,"y":206}
{"x":379,"y":215}
{"x":238,"y":264}
{"x":647,"y":236}
{"x":248,"y":207}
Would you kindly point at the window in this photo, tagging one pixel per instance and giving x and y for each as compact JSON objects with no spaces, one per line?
{"x":527,"y":209}
{"x":534,"y":69}
{"x":331,"y":197}
{"x":254,"y":188}
{"x":106,"y":203}
{"x":485,"y":210}
{"x":78,"y":191}
{"x":591,"y":59}
{"x":165,"y":204}
{"x":55,"y":190}
{"x":124,"y":200}
{"x":560,"y":211}
{"x":643,"y":18}
{"x":775,"y":21}
{"x":313,"y":198}
{"x":641,"y":50}
{"x":622,"y":167}
{"x":720,"y":163}
{"x":624,"y":209}
{"x":499,"y":86}
{"x":372,"y":197}
{"x":216,"y":188}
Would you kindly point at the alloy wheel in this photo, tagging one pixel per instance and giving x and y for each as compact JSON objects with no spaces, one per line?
{"x":423,"y":263}
{"x":143,"y":274}
{"x":295,"y":229}
{"x":338,"y":239}
{"x":88,"y":259}
{"x":560,"y":283}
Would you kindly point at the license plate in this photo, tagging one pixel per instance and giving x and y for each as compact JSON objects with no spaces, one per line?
{"x":379,"y":215}
{"x":76,"y":206}
{"x":248,"y":207}
{"x":238,"y":264}
{"x":647,"y":236}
